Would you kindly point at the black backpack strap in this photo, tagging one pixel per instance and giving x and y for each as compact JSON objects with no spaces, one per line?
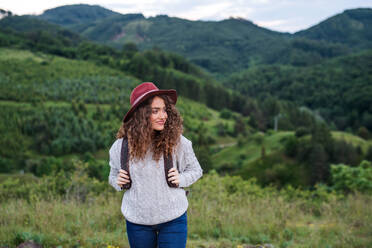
{"x":124,"y":163}
{"x":168,"y":164}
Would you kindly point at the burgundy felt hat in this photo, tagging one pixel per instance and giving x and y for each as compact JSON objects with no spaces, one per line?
{"x":143,"y":92}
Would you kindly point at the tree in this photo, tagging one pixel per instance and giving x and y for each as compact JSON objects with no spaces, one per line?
{"x":321,"y":134}
{"x":204,"y":157}
{"x":74,"y":107}
{"x":225,"y":113}
{"x":221,"y":129}
{"x":344,"y":153}
{"x":239,"y":127}
{"x":82,"y":108}
{"x":290,"y":147}
{"x":363,"y":133}
{"x":263,"y":152}
{"x":367,"y":120}
{"x":369,"y":153}
{"x":318,"y":160}
{"x":98,"y":114}
{"x":271,"y":107}
{"x":301,"y":131}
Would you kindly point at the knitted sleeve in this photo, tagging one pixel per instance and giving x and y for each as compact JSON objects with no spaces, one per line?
{"x":114,"y":164}
{"x":191,"y":170}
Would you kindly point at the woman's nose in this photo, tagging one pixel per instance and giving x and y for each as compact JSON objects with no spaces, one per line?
{"x":163,"y":115}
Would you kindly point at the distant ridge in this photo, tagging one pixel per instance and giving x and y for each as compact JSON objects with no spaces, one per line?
{"x":352,"y":27}
{"x":221,"y":47}
{"x":76,"y":14}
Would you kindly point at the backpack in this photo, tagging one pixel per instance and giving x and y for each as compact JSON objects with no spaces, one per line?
{"x":124,"y":164}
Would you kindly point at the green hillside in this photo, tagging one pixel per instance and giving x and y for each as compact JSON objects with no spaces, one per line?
{"x":340,"y":89}
{"x":261,"y":156}
{"x":53,"y":106}
{"x":37,"y":29}
{"x":352,"y":28}
{"x":109,"y":30}
{"x":265,"y":156}
{"x":48,"y":77}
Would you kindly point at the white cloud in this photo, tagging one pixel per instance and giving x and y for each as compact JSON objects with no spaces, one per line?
{"x":204,"y":12}
{"x":271,"y":24}
{"x":260,"y":1}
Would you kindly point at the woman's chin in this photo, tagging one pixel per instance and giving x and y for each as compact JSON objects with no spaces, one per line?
{"x":159,"y":128}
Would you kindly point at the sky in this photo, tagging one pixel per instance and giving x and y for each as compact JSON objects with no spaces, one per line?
{"x":279,"y":15}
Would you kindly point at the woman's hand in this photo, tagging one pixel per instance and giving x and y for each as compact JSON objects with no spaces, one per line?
{"x":122,"y":178}
{"x":174,"y":176}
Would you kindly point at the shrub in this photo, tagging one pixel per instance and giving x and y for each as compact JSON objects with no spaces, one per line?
{"x":363,"y":133}
{"x":302,"y":131}
{"x":225,"y":114}
{"x":258,"y":137}
{"x":74,"y":184}
{"x":290,"y":146}
{"x":350,"y":179}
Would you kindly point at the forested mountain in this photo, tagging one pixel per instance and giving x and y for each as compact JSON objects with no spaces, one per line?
{"x":76,"y":14}
{"x":220,"y":47}
{"x":352,"y":28}
{"x":217,"y":46}
{"x":31,"y":25}
{"x":340,"y":88}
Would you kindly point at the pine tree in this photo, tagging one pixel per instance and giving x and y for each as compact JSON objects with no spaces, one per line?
{"x":318,"y":160}
{"x":369,"y":153}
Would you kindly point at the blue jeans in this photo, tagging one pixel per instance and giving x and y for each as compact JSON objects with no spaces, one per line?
{"x":171,"y":234}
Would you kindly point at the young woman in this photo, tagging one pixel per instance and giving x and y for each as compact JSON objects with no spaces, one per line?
{"x":155,"y":205}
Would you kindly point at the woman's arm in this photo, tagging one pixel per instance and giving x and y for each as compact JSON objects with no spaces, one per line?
{"x":190,"y":170}
{"x":114,"y":165}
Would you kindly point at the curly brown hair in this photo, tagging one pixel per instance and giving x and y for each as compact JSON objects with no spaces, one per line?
{"x":141,"y":136}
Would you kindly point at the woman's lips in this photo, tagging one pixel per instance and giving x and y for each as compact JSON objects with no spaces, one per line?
{"x":160,"y":122}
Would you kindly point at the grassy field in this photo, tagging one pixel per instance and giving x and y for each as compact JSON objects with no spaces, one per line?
{"x":352,"y":139}
{"x":250,"y":150}
{"x":223,"y":212}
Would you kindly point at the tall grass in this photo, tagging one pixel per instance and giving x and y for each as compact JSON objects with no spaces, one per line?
{"x":223,"y":212}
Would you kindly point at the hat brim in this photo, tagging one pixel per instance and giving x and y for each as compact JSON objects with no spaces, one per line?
{"x":171,"y":93}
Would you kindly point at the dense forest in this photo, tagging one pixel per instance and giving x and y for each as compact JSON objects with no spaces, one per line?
{"x":340,"y":89}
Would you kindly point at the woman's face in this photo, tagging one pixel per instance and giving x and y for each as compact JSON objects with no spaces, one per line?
{"x":158,"y":113}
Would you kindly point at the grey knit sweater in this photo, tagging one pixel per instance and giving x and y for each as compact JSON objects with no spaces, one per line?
{"x":150,"y":200}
